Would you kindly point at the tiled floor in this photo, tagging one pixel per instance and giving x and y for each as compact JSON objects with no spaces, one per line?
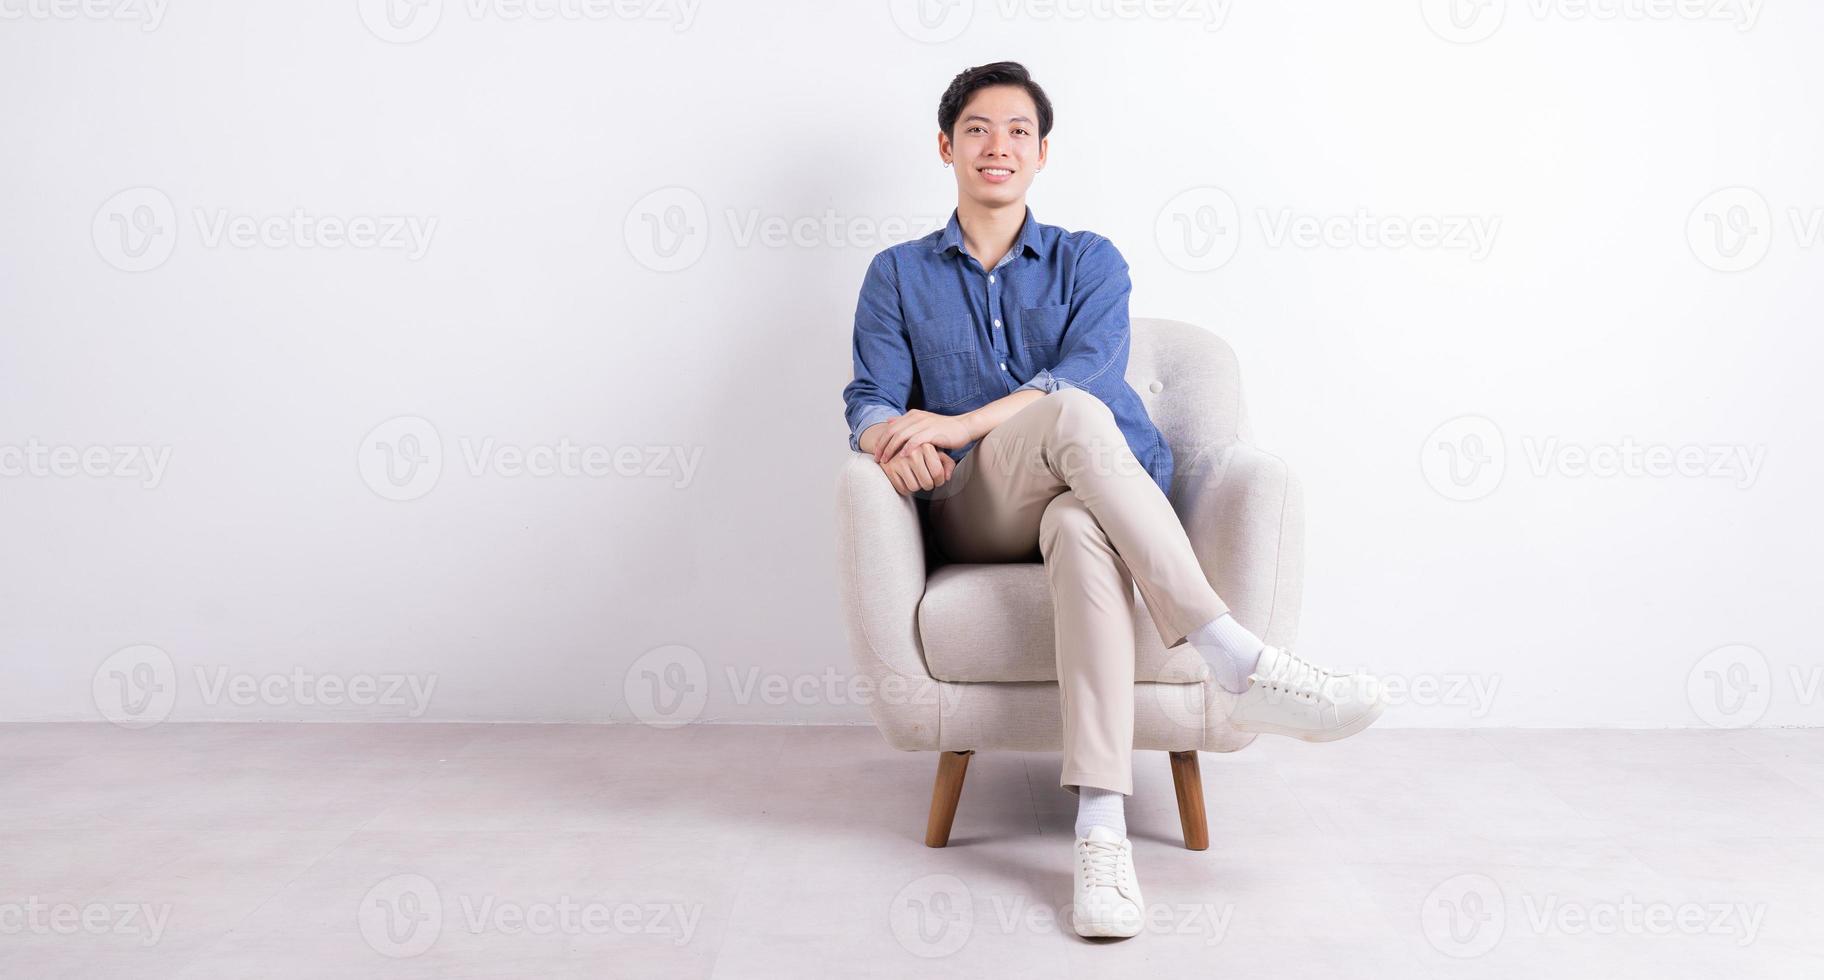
{"x":567,"y":851}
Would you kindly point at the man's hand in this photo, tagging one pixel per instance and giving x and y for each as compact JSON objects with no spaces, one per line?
{"x":917,"y":428}
{"x":923,"y":468}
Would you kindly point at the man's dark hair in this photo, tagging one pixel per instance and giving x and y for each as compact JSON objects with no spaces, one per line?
{"x":972,"y":80}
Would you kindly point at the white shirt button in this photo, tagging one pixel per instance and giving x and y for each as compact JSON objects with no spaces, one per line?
{"x":1156,"y":387}
{"x":997,"y":323}
{"x":1003,"y":365}
{"x":990,"y":278}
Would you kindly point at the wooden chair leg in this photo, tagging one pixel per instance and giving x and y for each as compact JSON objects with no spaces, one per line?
{"x":951,"y":766}
{"x":1187,"y":779}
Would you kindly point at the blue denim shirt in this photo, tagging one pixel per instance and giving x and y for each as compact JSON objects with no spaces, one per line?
{"x":934,"y":330}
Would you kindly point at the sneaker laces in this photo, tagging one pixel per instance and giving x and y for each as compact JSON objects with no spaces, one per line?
{"x":1102,"y":862}
{"x":1301,"y":675}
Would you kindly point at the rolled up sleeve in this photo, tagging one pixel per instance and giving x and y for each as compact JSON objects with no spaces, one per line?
{"x":1044,"y":381}
{"x":882,"y":353}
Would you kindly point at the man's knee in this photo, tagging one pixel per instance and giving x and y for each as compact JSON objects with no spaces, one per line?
{"x":1083,"y":431}
{"x":1066,"y":518}
{"x":1080,"y":412}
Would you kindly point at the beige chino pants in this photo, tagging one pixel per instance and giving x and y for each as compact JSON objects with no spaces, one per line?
{"x":1058,"y":483}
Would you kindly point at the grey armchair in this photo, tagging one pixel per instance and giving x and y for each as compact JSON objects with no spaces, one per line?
{"x":961,"y":656}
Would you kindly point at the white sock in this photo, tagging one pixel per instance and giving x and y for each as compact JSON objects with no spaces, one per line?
{"x":1098,"y":807}
{"x":1231,"y":650}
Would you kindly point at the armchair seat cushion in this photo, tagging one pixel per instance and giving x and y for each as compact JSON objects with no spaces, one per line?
{"x":994,"y":623}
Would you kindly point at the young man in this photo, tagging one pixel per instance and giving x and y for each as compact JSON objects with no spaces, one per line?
{"x":990,"y":362}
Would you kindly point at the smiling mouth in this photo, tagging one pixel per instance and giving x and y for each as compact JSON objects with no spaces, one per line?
{"x":995,"y":173}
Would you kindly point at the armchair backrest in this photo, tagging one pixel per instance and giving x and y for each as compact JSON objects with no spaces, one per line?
{"x":1198,"y":403}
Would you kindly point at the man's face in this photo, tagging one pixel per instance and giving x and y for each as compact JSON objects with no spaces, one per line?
{"x":997,"y":147}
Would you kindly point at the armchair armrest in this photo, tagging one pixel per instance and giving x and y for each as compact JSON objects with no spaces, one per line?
{"x":1243,"y":510}
{"x":881,"y":571}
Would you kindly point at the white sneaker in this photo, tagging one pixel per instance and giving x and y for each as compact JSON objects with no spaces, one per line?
{"x":1290,"y":696}
{"x":1107,"y":899}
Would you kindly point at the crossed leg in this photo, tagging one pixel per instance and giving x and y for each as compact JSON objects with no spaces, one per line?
{"x":1057,"y":481}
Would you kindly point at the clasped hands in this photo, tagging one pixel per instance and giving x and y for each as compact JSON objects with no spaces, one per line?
{"x":911,"y":448}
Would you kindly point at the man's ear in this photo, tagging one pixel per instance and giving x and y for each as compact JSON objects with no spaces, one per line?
{"x":943,"y":146}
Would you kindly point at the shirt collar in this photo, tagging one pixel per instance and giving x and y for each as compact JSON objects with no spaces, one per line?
{"x":1029,"y":240}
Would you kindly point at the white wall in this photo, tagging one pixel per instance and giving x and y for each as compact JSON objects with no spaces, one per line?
{"x":538,"y":311}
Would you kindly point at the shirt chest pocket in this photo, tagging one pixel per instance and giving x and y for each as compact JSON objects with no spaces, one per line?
{"x":944,"y":353}
{"x":1042,"y":331}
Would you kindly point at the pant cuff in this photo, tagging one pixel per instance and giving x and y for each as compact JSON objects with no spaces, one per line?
{"x":1101,"y":780}
{"x":1172,"y":637}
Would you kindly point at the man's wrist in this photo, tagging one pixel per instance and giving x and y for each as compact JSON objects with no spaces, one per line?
{"x":974,"y":426}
